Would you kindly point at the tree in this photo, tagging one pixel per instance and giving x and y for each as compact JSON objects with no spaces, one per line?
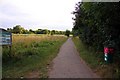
{"x":25,"y":32}
{"x":10,"y":30}
{"x":48,"y":32}
{"x":67,"y":33}
{"x":97,"y":24}
{"x":31,"y":31}
{"x":38,"y":31}
{"x":45,"y":31}
{"x":18,"y":29}
{"x":52,"y":32}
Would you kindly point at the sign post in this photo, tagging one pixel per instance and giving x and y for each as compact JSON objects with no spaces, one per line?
{"x":108,"y":54}
{"x":5,"y":38}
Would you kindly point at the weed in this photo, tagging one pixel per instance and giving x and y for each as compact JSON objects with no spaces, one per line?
{"x":96,"y":61}
{"x":30,"y":53}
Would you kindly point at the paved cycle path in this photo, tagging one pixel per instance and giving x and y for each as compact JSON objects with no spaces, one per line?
{"x":68,"y":64}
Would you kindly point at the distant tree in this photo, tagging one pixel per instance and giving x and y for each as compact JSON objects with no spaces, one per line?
{"x":25,"y":32}
{"x":60,"y":32}
{"x":45,"y":31}
{"x":56,"y":32}
{"x":38,"y":31}
{"x":18,"y":29}
{"x":31,"y":31}
{"x":49,"y":32}
{"x":42,"y":31}
{"x":52,"y":32}
{"x":10,"y":30}
{"x":67,"y":33}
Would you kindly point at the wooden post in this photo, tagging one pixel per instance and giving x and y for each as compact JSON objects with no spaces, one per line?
{"x":10,"y":51}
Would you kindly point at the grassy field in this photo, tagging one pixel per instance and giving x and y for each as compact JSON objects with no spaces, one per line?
{"x":30,"y":53}
{"x":96,"y":61}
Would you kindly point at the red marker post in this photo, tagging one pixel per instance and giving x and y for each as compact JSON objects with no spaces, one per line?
{"x":108,"y":54}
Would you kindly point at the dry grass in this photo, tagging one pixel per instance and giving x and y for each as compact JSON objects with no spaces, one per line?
{"x":34,"y":38}
{"x":30,"y":53}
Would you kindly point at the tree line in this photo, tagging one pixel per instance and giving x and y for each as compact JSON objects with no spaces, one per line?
{"x":98,"y":24}
{"x":18,"y":29}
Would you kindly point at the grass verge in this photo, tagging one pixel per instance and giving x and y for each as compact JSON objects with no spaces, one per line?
{"x":29,"y":54}
{"x":95,"y":60}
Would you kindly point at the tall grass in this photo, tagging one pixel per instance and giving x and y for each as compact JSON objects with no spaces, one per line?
{"x":86,"y":54}
{"x":29,"y":53}
{"x":96,"y":61}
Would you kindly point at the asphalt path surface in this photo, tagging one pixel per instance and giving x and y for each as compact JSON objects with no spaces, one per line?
{"x":68,"y":64}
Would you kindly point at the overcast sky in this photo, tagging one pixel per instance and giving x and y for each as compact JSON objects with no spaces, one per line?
{"x":37,"y":14}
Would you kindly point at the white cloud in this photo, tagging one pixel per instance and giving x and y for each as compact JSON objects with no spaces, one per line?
{"x":31,"y":13}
